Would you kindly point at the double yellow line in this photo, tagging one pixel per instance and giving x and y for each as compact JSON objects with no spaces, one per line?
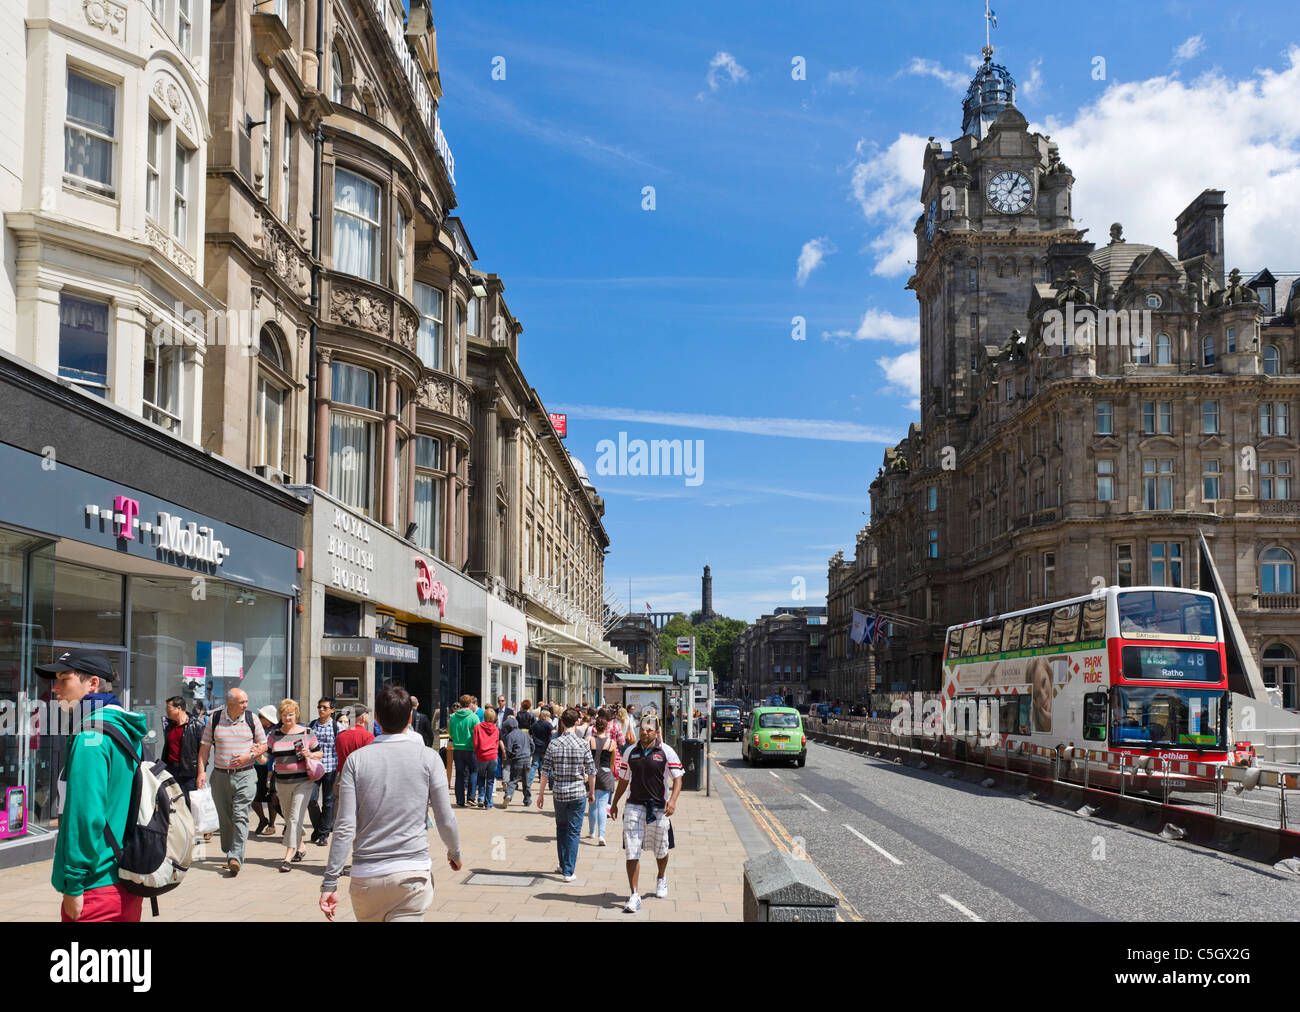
{"x":783,"y":841}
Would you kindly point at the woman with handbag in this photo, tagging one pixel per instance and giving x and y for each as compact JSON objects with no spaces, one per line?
{"x":297,"y":758}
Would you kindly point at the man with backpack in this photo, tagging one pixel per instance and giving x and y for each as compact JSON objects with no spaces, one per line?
{"x":97,"y":801}
{"x":239,"y":740}
{"x":326,"y":729}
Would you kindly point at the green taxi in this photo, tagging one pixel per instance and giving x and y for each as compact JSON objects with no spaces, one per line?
{"x":775,"y":732}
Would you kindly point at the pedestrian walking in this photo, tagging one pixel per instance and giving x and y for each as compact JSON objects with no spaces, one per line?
{"x":478,"y":710}
{"x":603,"y":752}
{"x":487,"y":741}
{"x":461,"y":727}
{"x":420,"y":724}
{"x":182,"y":734}
{"x":238,"y":740}
{"x":504,"y":711}
{"x":652,"y":772}
{"x":357,"y":736}
{"x":97,"y":798}
{"x":291,"y":746}
{"x":321,"y":806}
{"x":266,"y":795}
{"x":542,"y":731}
{"x":385,"y":792}
{"x":569,"y":767}
{"x":517,"y":756}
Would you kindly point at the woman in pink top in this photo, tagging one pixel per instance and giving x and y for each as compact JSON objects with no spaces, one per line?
{"x":290,"y":746}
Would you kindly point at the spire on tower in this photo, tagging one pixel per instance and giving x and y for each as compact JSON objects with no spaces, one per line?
{"x":991,"y":90}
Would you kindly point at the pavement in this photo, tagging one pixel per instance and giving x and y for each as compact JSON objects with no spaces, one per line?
{"x":515,"y":846}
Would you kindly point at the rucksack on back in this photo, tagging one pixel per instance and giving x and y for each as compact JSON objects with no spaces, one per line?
{"x":158,"y":843}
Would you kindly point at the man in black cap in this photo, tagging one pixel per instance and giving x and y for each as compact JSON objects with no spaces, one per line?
{"x":99,"y":776}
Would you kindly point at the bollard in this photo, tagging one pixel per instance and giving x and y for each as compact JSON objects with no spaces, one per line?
{"x":1165,"y":763}
{"x":780,"y":888}
{"x":1281,"y":786}
{"x":1086,"y":766}
{"x":1218,"y":792}
{"x":1123,"y":761}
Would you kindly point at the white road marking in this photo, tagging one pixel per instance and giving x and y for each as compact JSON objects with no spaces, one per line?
{"x":948,"y":899}
{"x":812,"y":802}
{"x":876,"y":847}
{"x":773,"y":772}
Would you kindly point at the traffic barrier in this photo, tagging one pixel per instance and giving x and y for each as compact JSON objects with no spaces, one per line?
{"x":1135,"y":775}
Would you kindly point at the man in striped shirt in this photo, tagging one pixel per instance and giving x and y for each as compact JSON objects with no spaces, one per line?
{"x":569,"y":766}
{"x":239,"y":740}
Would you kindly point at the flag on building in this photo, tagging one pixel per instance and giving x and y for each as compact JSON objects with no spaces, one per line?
{"x":992,"y":15}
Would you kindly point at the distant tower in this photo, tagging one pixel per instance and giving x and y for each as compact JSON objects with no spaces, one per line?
{"x":706,"y":598}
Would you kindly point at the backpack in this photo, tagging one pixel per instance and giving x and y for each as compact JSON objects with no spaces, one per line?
{"x":158,"y":842}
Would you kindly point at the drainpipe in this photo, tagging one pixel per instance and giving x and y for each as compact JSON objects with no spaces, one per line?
{"x":317,"y":154}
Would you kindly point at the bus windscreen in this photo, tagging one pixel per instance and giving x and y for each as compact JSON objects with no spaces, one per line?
{"x":1152,"y":716}
{"x":1165,"y":613}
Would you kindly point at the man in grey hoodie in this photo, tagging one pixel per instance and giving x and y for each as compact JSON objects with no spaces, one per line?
{"x":516,"y":758}
{"x":384,"y":792}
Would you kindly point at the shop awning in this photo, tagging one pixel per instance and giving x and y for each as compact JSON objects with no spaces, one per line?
{"x":631,"y":677}
{"x":566,"y":641}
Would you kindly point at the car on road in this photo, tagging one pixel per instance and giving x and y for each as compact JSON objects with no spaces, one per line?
{"x":727,"y":722}
{"x":774,"y":732}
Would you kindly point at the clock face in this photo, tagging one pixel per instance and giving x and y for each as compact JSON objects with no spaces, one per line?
{"x":929,"y":220}
{"x":1009,"y":192}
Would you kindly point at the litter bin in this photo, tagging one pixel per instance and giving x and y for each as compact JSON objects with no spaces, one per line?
{"x":692,"y":764}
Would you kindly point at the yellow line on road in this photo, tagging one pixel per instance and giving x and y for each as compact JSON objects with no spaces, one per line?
{"x":782,"y":839}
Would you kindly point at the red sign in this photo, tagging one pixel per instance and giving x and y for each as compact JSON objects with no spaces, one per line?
{"x":509,"y":646}
{"x":561,"y":423}
{"x":428,"y":589}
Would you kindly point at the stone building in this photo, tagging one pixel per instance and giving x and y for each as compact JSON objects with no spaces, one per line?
{"x":850,"y":667}
{"x":637,"y":637}
{"x":1052,"y":458}
{"x":783,"y":654}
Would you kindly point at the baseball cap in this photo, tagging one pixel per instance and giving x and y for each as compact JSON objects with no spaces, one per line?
{"x":88,"y":662}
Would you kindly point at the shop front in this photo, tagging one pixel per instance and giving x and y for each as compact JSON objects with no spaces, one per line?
{"x":179,"y":568}
{"x":380,"y":611}
{"x":508,"y":650}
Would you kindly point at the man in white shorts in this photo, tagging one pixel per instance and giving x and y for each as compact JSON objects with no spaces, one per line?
{"x":654,"y":773}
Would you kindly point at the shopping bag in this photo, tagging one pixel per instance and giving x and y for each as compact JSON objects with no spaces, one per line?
{"x":204,"y":810}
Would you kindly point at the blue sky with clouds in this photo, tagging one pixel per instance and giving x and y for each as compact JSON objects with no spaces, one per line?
{"x":777,"y":198}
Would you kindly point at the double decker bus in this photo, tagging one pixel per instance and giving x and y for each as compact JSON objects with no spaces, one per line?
{"x":1139,"y":671}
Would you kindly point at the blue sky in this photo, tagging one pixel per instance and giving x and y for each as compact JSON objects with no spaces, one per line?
{"x":676,"y":323}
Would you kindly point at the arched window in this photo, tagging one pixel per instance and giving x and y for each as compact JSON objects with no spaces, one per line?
{"x":1276,"y":572}
{"x":1164,"y":349}
{"x":1272,"y":361}
{"x":1207,"y":350}
{"x":270,"y":448}
{"x":337,"y":79}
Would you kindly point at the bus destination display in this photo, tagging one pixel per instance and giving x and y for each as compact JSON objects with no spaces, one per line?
{"x":1168,"y":664}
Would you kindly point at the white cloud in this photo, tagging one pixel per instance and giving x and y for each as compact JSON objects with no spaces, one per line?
{"x":849,"y":78}
{"x":1032,"y":83}
{"x":1193,"y":46}
{"x":887,"y":187}
{"x":1128,"y":152}
{"x":953,"y":79}
{"x":791,"y":428}
{"x":904,"y":375}
{"x":811,"y":256}
{"x":724,"y":64}
{"x":880,"y":325}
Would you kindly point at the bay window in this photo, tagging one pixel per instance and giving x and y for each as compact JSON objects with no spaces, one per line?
{"x":356,"y":225}
{"x":180,"y":195}
{"x":399,"y":243}
{"x":162,"y":385}
{"x":352,"y":437}
{"x":1158,"y":484}
{"x":153,"y":167}
{"x":429,"y":341}
{"x":83,"y":343}
{"x":90,"y":134}
{"x":428,"y":494}
{"x":286,"y":158}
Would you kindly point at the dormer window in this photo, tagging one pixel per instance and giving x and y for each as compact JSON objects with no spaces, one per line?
{"x":1153,"y":301}
{"x":1265,"y":294}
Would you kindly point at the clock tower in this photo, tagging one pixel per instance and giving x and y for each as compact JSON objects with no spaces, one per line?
{"x":991,"y":207}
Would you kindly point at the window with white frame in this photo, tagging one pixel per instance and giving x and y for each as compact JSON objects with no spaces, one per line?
{"x":352,"y":436}
{"x":153,"y":168}
{"x":1211,"y":471}
{"x":472,"y":320}
{"x":1272,"y":361}
{"x":269,"y":445}
{"x":336,"y":78}
{"x":399,"y":245}
{"x":90,"y":134}
{"x":162,"y":384}
{"x":1276,"y":572}
{"x":184,"y":26}
{"x":429,"y":340}
{"x":1207,"y":350}
{"x":1105,"y":418}
{"x":1049,"y":575}
{"x":458,"y":314}
{"x":268,"y":113}
{"x":1164,"y":349}
{"x":356,"y":225}
{"x":286,"y":167}
{"x":180,"y":194}
{"x":1142,"y":349}
{"x":1275,"y":479}
{"x":1274,"y":418}
{"x":1157,"y":484}
{"x":1105,"y":480}
{"x":83,"y":343}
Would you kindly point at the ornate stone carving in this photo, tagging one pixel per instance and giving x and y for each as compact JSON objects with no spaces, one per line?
{"x":357,"y":307}
{"x":1235,"y":294}
{"x":408,"y":325}
{"x":157,"y":238}
{"x":103,"y":14}
{"x":462,"y":405}
{"x":168,"y":92}
{"x":183,"y":259}
{"x":435,"y":393}
{"x":280,"y":252}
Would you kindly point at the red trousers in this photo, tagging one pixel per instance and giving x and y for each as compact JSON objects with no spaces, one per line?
{"x":107,"y":903}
